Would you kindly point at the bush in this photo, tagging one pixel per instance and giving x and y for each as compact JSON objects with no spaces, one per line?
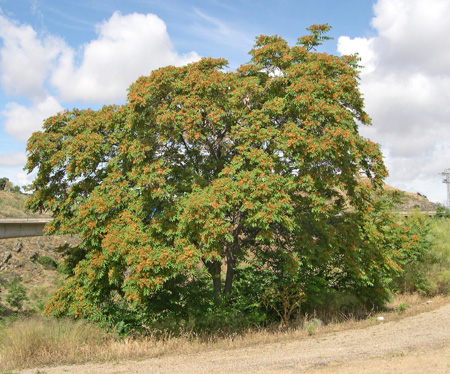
{"x":438,"y":258}
{"x":427,"y":268}
{"x":4,"y":183}
{"x":47,"y":262}
{"x":17,"y":294}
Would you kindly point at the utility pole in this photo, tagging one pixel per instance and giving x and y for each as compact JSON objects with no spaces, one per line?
{"x":446,"y":174}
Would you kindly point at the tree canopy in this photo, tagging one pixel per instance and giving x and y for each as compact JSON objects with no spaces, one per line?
{"x":211,"y":174}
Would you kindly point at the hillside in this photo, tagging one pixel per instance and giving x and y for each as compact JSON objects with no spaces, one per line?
{"x":12,"y":206}
{"x":32,"y":260}
{"x":418,"y":201}
{"x":413,"y":201}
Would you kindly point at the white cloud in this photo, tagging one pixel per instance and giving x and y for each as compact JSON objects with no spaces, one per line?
{"x":44,"y":70}
{"x":25,"y":59}
{"x":12,"y":159}
{"x":24,"y":179}
{"x":127,"y":47}
{"x":22,"y":121}
{"x":34,"y":66}
{"x":363,"y":46}
{"x":415,"y":33}
{"x":405,"y":85}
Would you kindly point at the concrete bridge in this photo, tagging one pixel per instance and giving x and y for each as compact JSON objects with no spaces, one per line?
{"x":22,"y":227}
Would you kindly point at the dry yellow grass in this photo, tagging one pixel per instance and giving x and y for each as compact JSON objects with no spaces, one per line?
{"x":38,"y":342}
{"x":12,"y":206}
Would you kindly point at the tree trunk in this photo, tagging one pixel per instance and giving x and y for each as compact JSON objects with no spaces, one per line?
{"x":233,"y":250}
{"x":214,"y":268}
{"x":231,"y":262}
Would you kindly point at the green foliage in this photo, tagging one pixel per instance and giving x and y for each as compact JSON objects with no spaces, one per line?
{"x":7,"y":185}
{"x":402,"y":308}
{"x":413,"y":278}
{"x":72,"y":256}
{"x":426,"y":265}
{"x":210,"y":194}
{"x":344,"y":303}
{"x":47,"y":262}
{"x":312,"y":325}
{"x":3,"y":183}
{"x":17,"y":294}
{"x":438,"y":258}
{"x":442,"y":212}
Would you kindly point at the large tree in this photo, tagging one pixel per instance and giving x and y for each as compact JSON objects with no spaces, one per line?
{"x":204,"y":167}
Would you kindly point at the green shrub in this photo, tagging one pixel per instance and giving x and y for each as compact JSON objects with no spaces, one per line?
{"x":17,"y":294}
{"x":427,"y":269}
{"x":438,"y":259}
{"x":402,"y":308}
{"x":47,"y":262}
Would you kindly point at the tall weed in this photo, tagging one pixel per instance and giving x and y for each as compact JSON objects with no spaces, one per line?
{"x":40,"y":341}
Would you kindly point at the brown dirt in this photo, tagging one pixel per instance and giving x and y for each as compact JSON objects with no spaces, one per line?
{"x":415,"y":344}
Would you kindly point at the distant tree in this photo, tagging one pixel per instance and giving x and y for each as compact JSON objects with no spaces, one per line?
{"x":7,"y":185}
{"x":4,"y":183}
{"x":215,"y":170}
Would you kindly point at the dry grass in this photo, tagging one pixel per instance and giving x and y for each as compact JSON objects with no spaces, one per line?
{"x":12,"y":206}
{"x":38,"y":342}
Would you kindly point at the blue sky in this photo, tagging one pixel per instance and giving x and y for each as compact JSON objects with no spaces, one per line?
{"x":62,"y":54}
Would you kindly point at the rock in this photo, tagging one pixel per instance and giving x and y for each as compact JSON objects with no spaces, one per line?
{"x":5,"y":257}
{"x":380,"y":319}
{"x":34,"y":256}
{"x":17,"y":247}
{"x":429,"y":302}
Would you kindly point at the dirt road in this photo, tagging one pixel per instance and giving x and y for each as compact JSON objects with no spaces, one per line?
{"x":417,"y":344}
